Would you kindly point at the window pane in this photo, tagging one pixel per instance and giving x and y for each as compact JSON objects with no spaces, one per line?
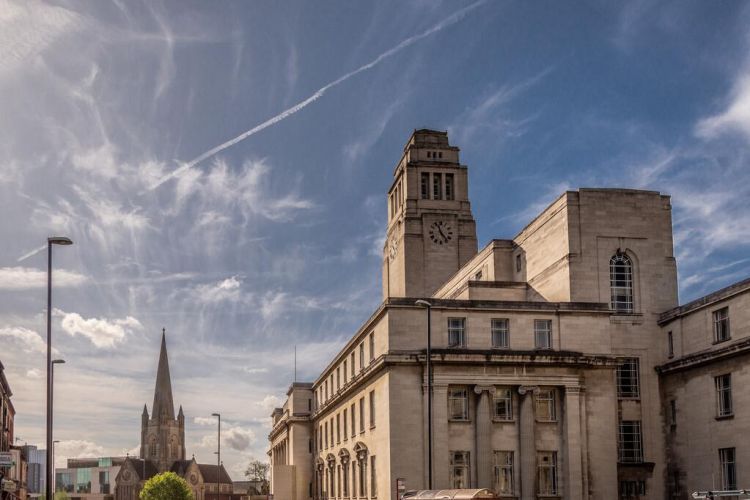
{"x":621,"y":283}
{"x":543,"y":333}
{"x":458,"y":404}
{"x":728,"y":469}
{"x":628,"y":378}
{"x":547,"y":473}
{"x":630,"y":444}
{"x":500,"y":333}
{"x":460,"y":469}
{"x":723,"y":395}
{"x":503,"y":407}
{"x":503,"y":472}
{"x":448,"y":186}
{"x":425,"y":186}
{"x":456,"y":332}
{"x":721,"y":325}
{"x":437,"y":186}
{"x":544,"y":401}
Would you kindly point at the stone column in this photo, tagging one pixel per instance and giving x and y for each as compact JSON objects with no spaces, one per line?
{"x":440,"y":451}
{"x":483,"y":436}
{"x":573,"y":464}
{"x":527,"y":445}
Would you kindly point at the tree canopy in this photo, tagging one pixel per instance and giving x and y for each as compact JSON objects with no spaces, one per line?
{"x":166,"y":486}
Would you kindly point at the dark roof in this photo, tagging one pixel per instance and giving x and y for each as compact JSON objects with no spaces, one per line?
{"x":209,"y":473}
{"x":151,"y":469}
{"x":179,"y":467}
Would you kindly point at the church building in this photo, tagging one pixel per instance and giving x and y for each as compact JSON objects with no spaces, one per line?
{"x":562,"y":364}
{"x":163,"y":448}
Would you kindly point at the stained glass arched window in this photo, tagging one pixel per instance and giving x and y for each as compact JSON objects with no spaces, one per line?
{"x":621,"y":283}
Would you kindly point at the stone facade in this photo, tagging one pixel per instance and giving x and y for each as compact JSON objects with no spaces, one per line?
{"x":543,"y":352}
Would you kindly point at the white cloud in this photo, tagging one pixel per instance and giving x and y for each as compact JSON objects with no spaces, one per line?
{"x":229,"y":289}
{"x":28,"y":340}
{"x":735,"y":117}
{"x":205,"y":420}
{"x":270,"y":402}
{"x":237,"y":438}
{"x":75,"y":448}
{"x":254,"y":370}
{"x":102,"y":333}
{"x":34,"y":373}
{"x":26,"y":278}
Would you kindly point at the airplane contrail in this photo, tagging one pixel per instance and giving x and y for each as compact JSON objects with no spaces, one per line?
{"x":31,"y":253}
{"x":452,"y":19}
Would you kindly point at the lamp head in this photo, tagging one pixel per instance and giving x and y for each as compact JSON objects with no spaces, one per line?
{"x":215,"y":415}
{"x":58,"y":361}
{"x":59,"y":240}
{"x":422,"y":303}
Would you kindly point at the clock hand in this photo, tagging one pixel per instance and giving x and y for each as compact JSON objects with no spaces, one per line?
{"x":440,"y":230}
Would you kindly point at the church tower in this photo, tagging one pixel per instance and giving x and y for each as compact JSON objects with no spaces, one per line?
{"x":162,"y":435}
{"x":431,"y":231}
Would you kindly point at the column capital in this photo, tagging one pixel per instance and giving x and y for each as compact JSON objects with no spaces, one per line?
{"x":523,"y":389}
{"x":479,"y":389}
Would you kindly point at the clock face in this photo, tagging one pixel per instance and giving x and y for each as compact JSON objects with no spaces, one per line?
{"x":193,"y":479}
{"x":126,"y":475}
{"x":440,"y":232}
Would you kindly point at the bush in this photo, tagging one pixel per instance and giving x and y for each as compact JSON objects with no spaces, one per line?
{"x":166,"y":486}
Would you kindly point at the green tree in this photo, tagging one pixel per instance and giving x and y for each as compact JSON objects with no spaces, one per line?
{"x":258,"y":471}
{"x":166,"y":486}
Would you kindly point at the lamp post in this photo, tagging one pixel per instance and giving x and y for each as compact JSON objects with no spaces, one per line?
{"x":218,"y":454}
{"x":54,"y":240}
{"x":428,"y":306}
{"x":52,"y":404}
{"x":54,"y":481}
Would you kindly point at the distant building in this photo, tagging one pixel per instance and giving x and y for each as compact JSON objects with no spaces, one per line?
{"x":88,"y":478}
{"x":163,"y":448}
{"x":37,"y":460}
{"x":17,"y":472}
{"x":562,"y":363}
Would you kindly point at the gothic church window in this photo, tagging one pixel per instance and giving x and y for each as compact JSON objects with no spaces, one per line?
{"x":621,"y":283}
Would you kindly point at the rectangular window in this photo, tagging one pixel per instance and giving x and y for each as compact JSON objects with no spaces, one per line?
{"x":456,"y":332}
{"x":352,"y":364}
{"x":361,"y":415}
{"x":544,"y":402}
{"x":346,"y":433}
{"x":628,"y":384}
{"x":503,"y":404}
{"x":373,"y":479}
{"x":503,"y":480}
{"x":670,"y":345}
{"x":500,"y":334}
{"x":331,"y":432}
{"x":372,"y":347}
{"x":345,"y":374}
{"x":362,"y":356}
{"x":458,"y":404}
{"x":326,"y":435}
{"x":320,"y":437}
{"x":425,"y":186}
{"x":721,"y":325}
{"x":632,"y":489}
{"x":518,"y":263}
{"x":338,"y":378}
{"x":723,"y":395}
{"x":459,"y":478}
{"x":372,"y":409}
{"x":630,"y":443}
{"x":728,"y":469}
{"x":437,"y":186}
{"x":547,"y":473}
{"x":449,"y":187}
{"x":338,"y":428}
{"x":543,"y":333}
{"x":326,"y":386}
{"x":354,"y":419}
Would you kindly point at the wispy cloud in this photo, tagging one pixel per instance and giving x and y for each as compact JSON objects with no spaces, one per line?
{"x":28,"y":340}
{"x":452,"y":19}
{"x":736,"y":115}
{"x":26,"y":278}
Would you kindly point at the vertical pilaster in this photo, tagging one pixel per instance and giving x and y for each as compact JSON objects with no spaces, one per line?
{"x":527,"y":445}
{"x":483,"y":436}
{"x":440,"y":450}
{"x":573,"y":464}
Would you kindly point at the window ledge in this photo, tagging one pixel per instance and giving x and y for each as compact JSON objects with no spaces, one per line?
{"x":715,"y":342}
{"x":724,"y":417}
{"x":459,"y":421}
{"x":629,"y":398}
{"x":372,"y":427}
{"x":504,"y":420}
{"x":547,"y":421}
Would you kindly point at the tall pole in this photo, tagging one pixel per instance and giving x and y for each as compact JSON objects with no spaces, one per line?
{"x":55,"y":240}
{"x":52,"y":405}
{"x":428,"y":306}
{"x":54,"y":481}
{"x":218,"y":455}
{"x":48,"y":471}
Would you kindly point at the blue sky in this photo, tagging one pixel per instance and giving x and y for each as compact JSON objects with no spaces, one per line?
{"x":276,"y":240}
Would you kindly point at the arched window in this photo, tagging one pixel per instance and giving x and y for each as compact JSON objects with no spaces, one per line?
{"x":621,"y":283}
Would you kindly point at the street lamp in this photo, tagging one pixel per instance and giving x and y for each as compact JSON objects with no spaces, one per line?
{"x":54,"y":240}
{"x":218,"y":454}
{"x":428,"y":306}
{"x":54,"y":482}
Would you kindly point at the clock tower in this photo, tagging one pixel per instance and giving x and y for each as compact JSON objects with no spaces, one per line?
{"x":431,"y":232}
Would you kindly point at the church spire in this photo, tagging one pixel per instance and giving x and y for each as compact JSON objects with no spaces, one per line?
{"x":163,"y":406}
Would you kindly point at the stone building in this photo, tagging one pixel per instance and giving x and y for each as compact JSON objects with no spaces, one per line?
{"x":163,"y":448}
{"x":544,"y":349}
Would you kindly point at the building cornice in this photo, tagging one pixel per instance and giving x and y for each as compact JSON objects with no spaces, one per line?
{"x":705,"y":357}
{"x":705,"y":301}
